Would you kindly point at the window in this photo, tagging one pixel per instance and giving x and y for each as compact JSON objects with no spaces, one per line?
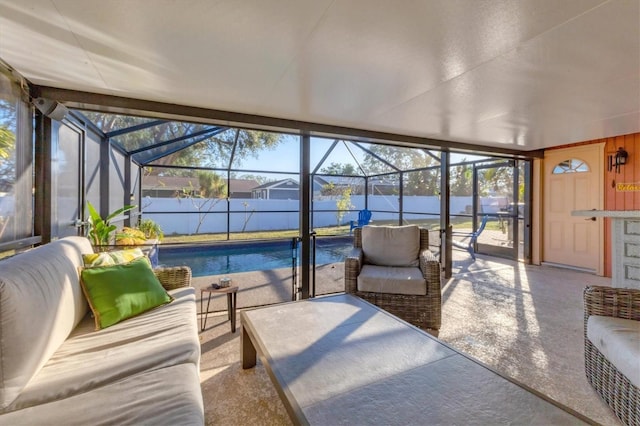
{"x":16,"y":157}
{"x":570,"y":166}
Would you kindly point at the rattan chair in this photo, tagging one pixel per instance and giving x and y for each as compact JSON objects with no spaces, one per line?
{"x":614,"y":388}
{"x":172,"y":277}
{"x":424,"y":311}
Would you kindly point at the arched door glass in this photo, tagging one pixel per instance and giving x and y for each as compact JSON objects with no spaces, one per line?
{"x":572,"y":165}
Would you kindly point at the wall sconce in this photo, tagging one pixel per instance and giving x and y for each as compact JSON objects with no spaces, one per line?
{"x":618,"y":159}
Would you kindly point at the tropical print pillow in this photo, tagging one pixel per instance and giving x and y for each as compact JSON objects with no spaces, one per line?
{"x":110,"y":258}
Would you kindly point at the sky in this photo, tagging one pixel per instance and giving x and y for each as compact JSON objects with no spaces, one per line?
{"x":287,"y":158}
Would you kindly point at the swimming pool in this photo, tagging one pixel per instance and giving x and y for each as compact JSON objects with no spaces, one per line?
{"x":228,"y":258}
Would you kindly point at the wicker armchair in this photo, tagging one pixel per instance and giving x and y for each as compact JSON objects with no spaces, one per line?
{"x":424,"y":311}
{"x":174,"y":277}
{"x":614,"y":388}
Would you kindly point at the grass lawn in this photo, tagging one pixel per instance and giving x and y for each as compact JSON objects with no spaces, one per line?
{"x":458,"y":223}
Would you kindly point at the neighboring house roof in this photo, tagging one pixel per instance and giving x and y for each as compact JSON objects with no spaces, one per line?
{"x":180,"y":182}
{"x":242,"y":185}
{"x":277,"y":184}
{"x":168,"y":182}
{"x":338,"y":180}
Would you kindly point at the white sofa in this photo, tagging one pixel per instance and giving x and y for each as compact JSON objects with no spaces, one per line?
{"x":56,"y":369}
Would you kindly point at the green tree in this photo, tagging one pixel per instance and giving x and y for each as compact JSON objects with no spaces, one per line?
{"x":417,"y":182}
{"x":258,"y":178}
{"x":401,"y":158}
{"x":496,"y":181}
{"x":247,"y":215}
{"x":422,"y":182}
{"x":7,"y":142}
{"x":212,"y":185}
{"x":7,"y":160}
{"x":343,"y":203}
{"x":212,"y":189}
{"x":461,"y":180}
{"x":214,"y":151}
{"x":8,"y":120}
{"x":330,"y":189}
{"x":341,"y":169}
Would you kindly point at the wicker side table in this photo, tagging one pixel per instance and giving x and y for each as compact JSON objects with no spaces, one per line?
{"x":231,"y":293}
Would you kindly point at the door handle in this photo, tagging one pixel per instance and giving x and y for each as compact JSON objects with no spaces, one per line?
{"x":593,"y":219}
{"x":79,"y":223}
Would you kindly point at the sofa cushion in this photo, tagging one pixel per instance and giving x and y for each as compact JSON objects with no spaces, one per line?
{"x":118,"y":292}
{"x":40,"y":304}
{"x":165,"y":396}
{"x":391,"y":245}
{"x":392,"y":280}
{"x":88,"y":359}
{"x":618,"y":340}
{"x":116,"y":257}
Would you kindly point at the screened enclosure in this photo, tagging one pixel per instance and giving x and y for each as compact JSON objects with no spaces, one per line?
{"x":207,"y":183}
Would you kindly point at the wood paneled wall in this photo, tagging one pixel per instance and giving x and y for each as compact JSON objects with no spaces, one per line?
{"x":629,"y":173}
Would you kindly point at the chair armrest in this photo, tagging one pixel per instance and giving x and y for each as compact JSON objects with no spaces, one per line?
{"x":352,"y":266}
{"x":431,"y":270}
{"x":612,"y":302}
{"x":174,"y":277}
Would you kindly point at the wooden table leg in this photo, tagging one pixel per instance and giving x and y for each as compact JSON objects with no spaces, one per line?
{"x":248,"y":350}
{"x":203,"y":321}
{"x":234,"y":306}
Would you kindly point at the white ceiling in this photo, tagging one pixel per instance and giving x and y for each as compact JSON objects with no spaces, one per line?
{"x":516,"y":74}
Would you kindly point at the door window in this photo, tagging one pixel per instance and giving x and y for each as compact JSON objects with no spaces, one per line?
{"x":571,"y":166}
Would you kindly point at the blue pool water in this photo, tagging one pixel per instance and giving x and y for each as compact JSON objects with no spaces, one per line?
{"x":220,"y":259}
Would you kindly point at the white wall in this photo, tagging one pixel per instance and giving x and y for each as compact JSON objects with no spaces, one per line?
{"x":247,"y":212}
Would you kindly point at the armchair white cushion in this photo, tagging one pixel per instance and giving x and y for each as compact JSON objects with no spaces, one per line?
{"x":612,"y":348}
{"x":618,"y":339}
{"x":392,"y":280}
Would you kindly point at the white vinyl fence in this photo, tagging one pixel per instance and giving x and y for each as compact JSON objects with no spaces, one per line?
{"x":185,"y":216}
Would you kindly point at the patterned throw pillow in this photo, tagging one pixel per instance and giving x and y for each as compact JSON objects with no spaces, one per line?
{"x":110,"y":258}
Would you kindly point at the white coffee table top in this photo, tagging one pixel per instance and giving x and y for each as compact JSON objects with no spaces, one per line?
{"x":340,"y":360}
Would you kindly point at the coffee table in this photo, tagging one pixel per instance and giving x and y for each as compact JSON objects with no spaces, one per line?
{"x":340,"y":360}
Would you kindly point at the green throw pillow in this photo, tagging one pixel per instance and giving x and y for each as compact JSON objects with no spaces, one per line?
{"x":118,"y":292}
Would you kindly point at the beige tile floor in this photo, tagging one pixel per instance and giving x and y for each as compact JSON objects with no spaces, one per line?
{"x":524,"y":321}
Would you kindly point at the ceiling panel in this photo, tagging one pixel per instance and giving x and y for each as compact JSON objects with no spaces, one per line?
{"x":35,"y":39}
{"x":523,"y":74}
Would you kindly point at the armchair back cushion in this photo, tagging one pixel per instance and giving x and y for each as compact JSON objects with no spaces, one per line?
{"x":40,"y":304}
{"x":391,"y":245}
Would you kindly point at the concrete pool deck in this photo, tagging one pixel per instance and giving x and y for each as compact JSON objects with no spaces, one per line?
{"x":257,"y":288}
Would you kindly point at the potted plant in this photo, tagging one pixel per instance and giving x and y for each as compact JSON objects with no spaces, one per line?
{"x":101,"y":231}
{"x":130,"y":237}
{"x":146,"y":235}
{"x":151,"y":229}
